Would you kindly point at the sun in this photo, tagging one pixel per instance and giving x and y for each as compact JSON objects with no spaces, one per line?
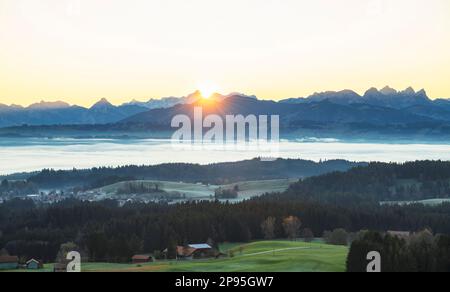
{"x":207,"y":90}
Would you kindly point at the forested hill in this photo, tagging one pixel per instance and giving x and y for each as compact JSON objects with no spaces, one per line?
{"x":222,"y":173}
{"x":377,"y":182}
{"x":109,"y":233}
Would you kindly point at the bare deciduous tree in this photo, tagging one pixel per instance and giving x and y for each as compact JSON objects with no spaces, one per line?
{"x":307,"y":235}
{"x":292,"y":226}
{"x":268,"y":228}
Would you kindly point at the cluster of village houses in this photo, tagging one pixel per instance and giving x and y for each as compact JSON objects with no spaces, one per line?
{"x":90,"y":196}
{"x":12,"y":263}
{"x":184,"y":253}
{"x":189,"y":252}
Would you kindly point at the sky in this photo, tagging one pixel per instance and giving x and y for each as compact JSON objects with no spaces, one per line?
{"x":82,"y":50}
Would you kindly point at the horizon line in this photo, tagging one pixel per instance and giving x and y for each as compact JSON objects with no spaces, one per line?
{"x":142,"y":100}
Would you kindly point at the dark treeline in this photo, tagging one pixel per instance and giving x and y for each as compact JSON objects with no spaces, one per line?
{"x":105,"y":232}
{"x":377,"y":182}
{"x":140,"y":188}
{"x":17,"y":188}
{"x":222,"y":173}
{"x":420,"y":252}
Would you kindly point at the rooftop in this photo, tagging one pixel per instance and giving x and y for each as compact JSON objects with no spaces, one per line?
{"x":141,"y":257}
{"x":8,"y":259}
{"x":200,"y":246}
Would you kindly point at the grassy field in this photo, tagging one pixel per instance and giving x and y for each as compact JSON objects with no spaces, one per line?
{"x":199,"y":191}
{"x":191,"y":190}
{"x":265,"y":256}
{"x":262,"y":256}
{"x":257,"y":188}
{"x":430,"y":202}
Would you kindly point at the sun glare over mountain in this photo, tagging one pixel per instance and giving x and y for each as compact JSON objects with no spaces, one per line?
{"x":207,"y":90}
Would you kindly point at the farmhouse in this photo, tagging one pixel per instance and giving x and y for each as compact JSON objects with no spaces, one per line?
{"x":9,"y":262}
{"x":195,"y":251}
{"x":185,"y":253}
{"x":61,"y":267}
{"x":400,"y":234}
{"x":141,"y":259}
{"x":34,"y":264}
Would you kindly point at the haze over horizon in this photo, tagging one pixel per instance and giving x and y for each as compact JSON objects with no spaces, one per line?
{"x":80,"y":51}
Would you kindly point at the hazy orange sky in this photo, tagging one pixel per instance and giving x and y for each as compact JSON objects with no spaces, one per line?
{"x":82,"y":50}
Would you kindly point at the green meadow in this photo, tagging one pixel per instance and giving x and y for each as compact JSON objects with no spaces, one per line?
{"x":430,"y":202}
{"x":247,"y":189}
{"x":261,"y":256}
